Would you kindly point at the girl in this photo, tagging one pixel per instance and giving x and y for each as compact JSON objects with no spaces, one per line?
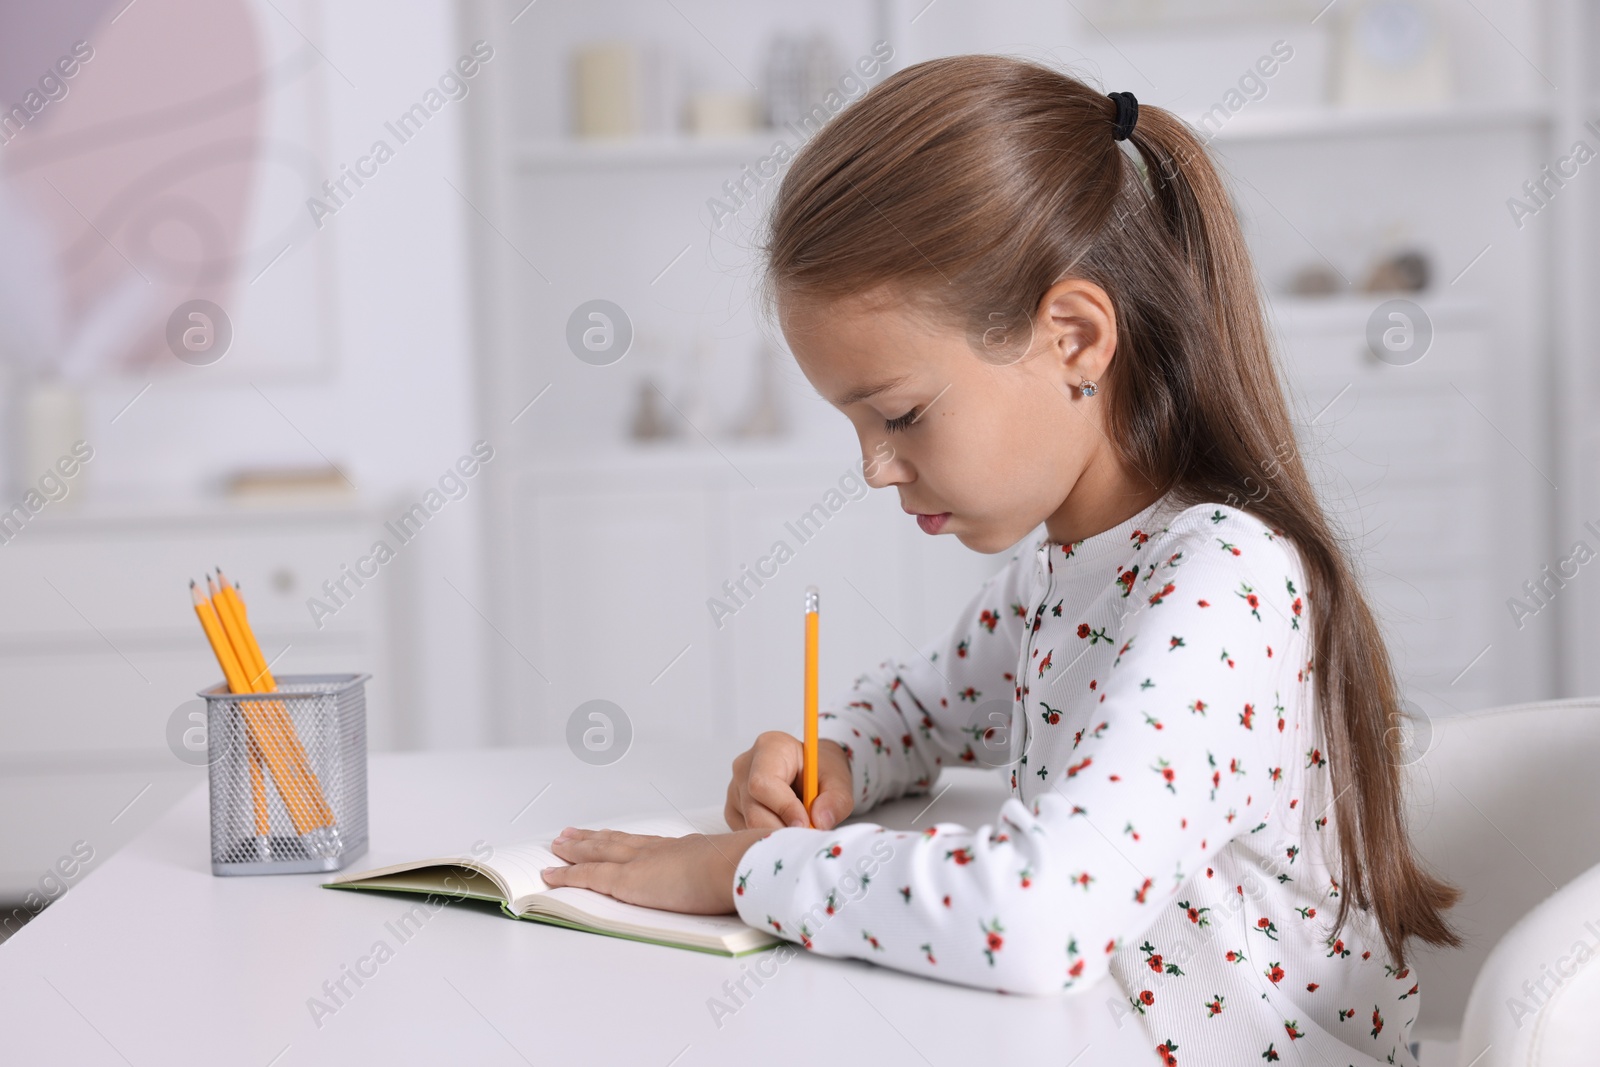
{"x":1191,"y":700}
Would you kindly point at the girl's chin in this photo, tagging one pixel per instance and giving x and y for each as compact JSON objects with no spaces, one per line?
{"x":981,"y":540}
{"x":988,"y":537}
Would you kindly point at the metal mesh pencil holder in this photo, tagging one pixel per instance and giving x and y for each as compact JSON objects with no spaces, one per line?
{"x":288,"y":775}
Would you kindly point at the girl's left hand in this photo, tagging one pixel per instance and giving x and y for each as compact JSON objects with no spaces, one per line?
{"x":692,"y":875}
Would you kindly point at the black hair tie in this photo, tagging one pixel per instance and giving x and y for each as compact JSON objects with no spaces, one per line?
{"x":1127,"y":114}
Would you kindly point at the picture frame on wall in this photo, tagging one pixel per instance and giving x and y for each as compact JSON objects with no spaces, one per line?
{"x":154,"y":181}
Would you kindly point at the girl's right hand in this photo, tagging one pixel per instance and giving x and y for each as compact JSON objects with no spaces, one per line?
{"x":765,"y":790}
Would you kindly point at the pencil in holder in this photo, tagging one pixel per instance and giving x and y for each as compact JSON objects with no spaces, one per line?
{"x":288,"y":775}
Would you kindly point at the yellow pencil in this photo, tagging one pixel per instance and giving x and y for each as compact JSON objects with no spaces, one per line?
{"x":259,"y":728}
{"x":275,"y":730}
{"x":255,"y":665}
{"x":231,"y":605}
{"x":264,"y":736}
{"x":227,"y":659}
{"x":809,"y":773}
{"x":299,"y":780}
{"x":244,"y":655}
{"x":258,"y":790}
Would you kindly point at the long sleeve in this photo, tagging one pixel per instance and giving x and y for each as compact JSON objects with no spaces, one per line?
{"x":1154,"y":736}
{"x":949,"y":704}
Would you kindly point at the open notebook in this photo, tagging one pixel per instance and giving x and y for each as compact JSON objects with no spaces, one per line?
{"x":513,"y":881}
{"x":509,"y":875}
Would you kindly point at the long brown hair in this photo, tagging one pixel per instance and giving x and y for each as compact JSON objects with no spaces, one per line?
{"x":971,"y":184}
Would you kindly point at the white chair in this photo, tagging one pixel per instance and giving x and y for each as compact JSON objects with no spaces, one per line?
{"x":1536,"y":999}
{"x":1505,"y":804}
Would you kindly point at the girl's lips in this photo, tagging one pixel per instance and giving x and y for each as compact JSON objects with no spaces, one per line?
{"x":932,"y":524}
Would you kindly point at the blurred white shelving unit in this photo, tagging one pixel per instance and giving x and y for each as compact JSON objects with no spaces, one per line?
{"x":1397,"y":454}
{"x":1444,"y":473}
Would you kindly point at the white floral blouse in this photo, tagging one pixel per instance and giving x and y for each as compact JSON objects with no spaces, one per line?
{"x":1148,"y":692}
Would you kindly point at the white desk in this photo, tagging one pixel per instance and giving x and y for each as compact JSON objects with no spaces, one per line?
{"x":152,"y":960}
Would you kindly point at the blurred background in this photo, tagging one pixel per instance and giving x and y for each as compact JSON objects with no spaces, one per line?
{"x":275,"y":275}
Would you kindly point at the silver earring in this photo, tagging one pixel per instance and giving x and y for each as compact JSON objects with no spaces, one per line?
{"x":1088,"y":388}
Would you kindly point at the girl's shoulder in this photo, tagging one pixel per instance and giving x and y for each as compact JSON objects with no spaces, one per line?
{"x":1226,"y":533}
{"x":1216,"y":517}
{"x":1171,"y":535}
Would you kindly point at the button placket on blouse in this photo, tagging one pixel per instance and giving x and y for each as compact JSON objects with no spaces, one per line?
{"x":1043,"y":584}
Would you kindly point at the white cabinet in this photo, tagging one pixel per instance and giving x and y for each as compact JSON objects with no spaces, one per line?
{"x":604,"y":599}
{"x":615,"y":564}
{"x":1401,"y":458}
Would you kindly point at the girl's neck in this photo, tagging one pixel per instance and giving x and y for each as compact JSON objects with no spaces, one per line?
{"x":1103,"y":497}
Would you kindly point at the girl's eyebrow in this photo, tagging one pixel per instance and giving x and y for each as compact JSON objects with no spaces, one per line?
{"x":870,"y":391}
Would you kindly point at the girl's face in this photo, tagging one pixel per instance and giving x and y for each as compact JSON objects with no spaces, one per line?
{"x":980,"y":450}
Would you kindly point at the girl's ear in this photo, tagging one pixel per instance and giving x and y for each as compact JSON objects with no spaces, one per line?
{"x":1077,"y":324}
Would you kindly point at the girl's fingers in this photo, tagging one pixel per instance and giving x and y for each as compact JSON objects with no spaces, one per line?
{"x":775,"y":802}
{"x":733,"y":811}
{"x":760,"y":817}
{"x":596,"y":846}
{"x":595,"y":876}
{"x":773,"y":774}
{"x":835,"y":789}
{"x":594,"y":858}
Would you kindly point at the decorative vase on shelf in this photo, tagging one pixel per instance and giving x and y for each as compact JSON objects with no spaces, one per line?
{"x":52,"y":425}
{"x":694,"y":399}
{"x":765,"y":417}
{"x":723,"y":113}
{"x":650,"y":422}
{"x":624,"y":89}
{"x":1392,"y":53}
{"x":800,"y":71}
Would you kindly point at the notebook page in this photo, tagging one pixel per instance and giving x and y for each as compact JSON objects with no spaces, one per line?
{"x":614,"y":912}
{"x":519,"y":865}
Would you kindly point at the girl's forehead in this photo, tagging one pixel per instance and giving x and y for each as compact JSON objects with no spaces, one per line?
{"x":850,"y":359}
{"x":854,"y":347}
{"x":849,"y":327}
{"x":884,"y":299}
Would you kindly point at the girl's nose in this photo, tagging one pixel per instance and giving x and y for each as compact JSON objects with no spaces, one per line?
{"x":883,"y":467}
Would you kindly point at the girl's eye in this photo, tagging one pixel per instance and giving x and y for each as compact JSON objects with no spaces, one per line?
{"x":903,"y":422}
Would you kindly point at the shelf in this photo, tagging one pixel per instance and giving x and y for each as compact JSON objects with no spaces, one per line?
{"x":1297,"y":123}
{"x":561,"y":154}
{"x":1347,"y":311}
{"x":105,"y":509}
{"x":1265,"y":124}
{"x":691,"y":454}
